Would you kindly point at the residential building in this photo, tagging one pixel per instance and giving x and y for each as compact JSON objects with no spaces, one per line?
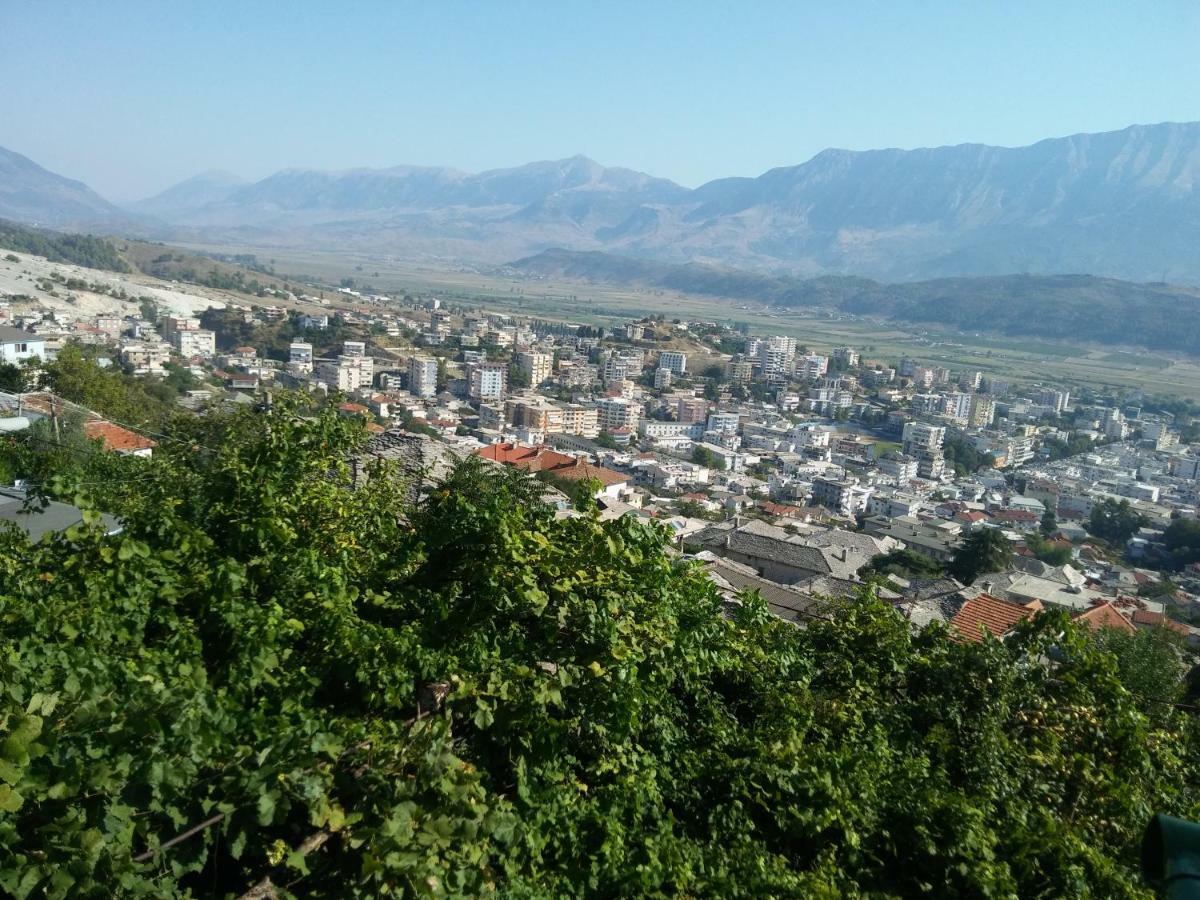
{"x":535,"y":366}
{"x":841,"y":495}
{"x":194,"y":342}
{"x":691,"y":409}
{"x":300,"y":356}
{"x":618,"y":412}
{"x":674,"y":361}
{"x":581,"y":420}
{"x":17,"y":346}
{"x":662,"y":379}
{"x":422,"y":376}
{"x":487,"y":381}
{"x":982,"y":412}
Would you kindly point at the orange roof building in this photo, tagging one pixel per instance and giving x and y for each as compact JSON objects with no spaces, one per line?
{"x":117,"y":439}
{"x":1105,"y":615}
{"x":991,"y":614}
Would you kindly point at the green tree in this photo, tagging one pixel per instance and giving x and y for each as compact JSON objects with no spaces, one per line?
{"x":1049,"y":523}
{"x":272,"y":682}
{"x":985,"y":550}
{"x":1182,"y":540}
{"x":12,"y":378}
{"x":702,"y":456}
{"x":905,"y":563}
{"x":1115,"y":520}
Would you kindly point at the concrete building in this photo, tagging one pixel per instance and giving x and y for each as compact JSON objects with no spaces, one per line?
{"x":691,"y":409}
{"x":673,"y":360}
{"x":422,"y":376}
{"x":487,"y":381}
{"x":618,"y":412}
{"x":300,"y":356}
{"x":535,"y":366}
{"x":17,"y":346}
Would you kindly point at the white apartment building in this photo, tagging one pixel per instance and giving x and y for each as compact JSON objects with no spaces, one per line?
{"x":300,"y":356}
{"x":662,"y":379}
{"x":198,"y":342}
{"x":673,"y":360}
{"x":487,"y":381}
{"x":422,"y":376}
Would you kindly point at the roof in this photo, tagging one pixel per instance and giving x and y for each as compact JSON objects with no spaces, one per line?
{"x":734,"y":578}
{"x":987,"y":613}
{"x":1144,"y":618}
{"x":581,"y":470}
{"x":39,"y":520}
{"x":10,"y":335}
{"x":116,"y":438}
{"x":1105,"y":615}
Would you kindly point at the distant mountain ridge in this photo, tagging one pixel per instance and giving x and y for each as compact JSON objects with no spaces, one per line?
{"x":1066,"y":307}
{"x":31,"y":194}
{"x":1121,"y":203}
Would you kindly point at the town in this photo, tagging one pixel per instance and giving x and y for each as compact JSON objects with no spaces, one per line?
{"x":796,"y":473}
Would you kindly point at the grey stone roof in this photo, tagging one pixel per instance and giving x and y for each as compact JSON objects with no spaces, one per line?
{"x":786,"y":603}
{"x":418,"y":458}
{"x":39,"y":520}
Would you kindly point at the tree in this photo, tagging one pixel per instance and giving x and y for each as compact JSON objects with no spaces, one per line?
{"x":985,"y":550}
{"x":702,"y":456}
{"x":905,"y":563}
{"x":1182,"y":540}
{"x":12,"y":378}
{"x":268,"y":682}
{"x":1115,"y":520}
{"x":1049,"y":523}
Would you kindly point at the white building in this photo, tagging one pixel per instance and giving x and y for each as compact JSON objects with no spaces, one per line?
{"x":487,"y":381}
{"x":618,"y":412}
{"x":537,"y":367}
{"x":17,"y":345}
{"x":198,"y":342}
{"x":422,"y":376}
{"x":673,"y":360}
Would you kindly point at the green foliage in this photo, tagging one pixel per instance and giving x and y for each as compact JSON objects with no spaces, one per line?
{"x":606,"y":440}
{"x":702,"y":456}
{"x":1115,"y":521}
{"x":1150,"y":665}
{"x":78,"y":249}
{"x":985,"y":550}
{"x":12,"y":378}
{"x":268,"y":676}
{"x":962,"y":456}
{"x":1074,"y":445}
{"x":1049,"y":523}
{"x":74,"y":375}
{"x":1182,"y":540}
{"x":1049,"y":552}
{"x":906,"y":563}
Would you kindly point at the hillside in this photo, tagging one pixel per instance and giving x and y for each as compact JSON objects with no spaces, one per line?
{"x":1078,"y":307}
{"x":190,"y":195}
{"x":33,"y":195}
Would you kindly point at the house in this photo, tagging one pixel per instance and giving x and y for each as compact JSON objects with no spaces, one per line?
{"x":786,"y":558}
{"x":116,"y":439}
{"x":1105,"y":616}
{"x":991,"y":615}
{"x":16,"y":345}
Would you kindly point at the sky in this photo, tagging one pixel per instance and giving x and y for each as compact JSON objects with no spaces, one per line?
{"x":132,"y":97}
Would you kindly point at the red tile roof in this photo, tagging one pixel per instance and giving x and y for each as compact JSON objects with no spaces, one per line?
{"x":116,"y":438}
{"x":1144,"y":618}
{"x":581,"y":470}
{"x":1104,"y":615}
{"x":988,"y":613}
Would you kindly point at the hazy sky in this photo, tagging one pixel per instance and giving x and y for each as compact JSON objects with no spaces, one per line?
{"x":134,"y":96}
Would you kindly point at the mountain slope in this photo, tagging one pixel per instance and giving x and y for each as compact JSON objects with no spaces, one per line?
{"x":29,"y":193}
{"x":1120,"y":203}
{"x":1073,"y":307}
{"x":190,"y":195}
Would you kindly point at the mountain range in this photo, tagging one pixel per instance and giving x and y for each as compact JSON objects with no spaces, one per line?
{"x":1121,"y":204}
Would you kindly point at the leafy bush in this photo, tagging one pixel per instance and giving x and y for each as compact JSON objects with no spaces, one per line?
{"x":268,"y":679}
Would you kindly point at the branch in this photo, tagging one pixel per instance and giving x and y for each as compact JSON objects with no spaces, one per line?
{"x":180,"y":838}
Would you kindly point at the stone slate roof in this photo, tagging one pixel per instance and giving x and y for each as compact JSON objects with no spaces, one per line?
{"x":419,"y":459}
{"x":733,"y":578}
